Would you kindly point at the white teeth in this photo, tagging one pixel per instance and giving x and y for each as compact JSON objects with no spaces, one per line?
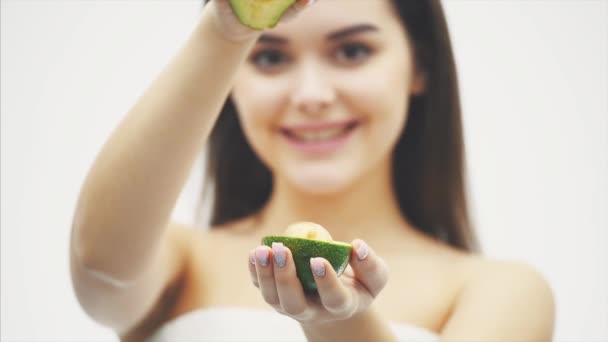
{"x":319,"y":135}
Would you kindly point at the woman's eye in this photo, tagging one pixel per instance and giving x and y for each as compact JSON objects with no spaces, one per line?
{"x":266,"y":59}
{"x":352,"y":53}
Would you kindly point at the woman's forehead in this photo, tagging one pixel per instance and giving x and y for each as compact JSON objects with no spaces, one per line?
{"x":327,"y":16}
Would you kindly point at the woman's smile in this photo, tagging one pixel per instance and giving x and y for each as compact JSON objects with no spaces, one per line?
{"x":320,"y":138}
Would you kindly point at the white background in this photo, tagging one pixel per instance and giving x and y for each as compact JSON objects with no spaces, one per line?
{"x":534,"y":84}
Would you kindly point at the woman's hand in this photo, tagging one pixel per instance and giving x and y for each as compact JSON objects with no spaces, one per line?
{"x":273,"y":272}
{"x":232,"y":29}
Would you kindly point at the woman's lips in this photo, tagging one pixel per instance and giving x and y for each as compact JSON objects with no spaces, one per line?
{"x":316,"y":139}
{"x":311,"y":127}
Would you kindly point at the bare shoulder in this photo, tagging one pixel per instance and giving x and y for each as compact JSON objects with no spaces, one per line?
{"x":194,"y":245}
{"x":511,"y":278}
{"x":201,"y":244}
{"x":192,"y":238}
{"x":503,"y":300}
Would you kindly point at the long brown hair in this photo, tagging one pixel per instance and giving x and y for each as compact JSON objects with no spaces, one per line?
{"x":428,"y":160}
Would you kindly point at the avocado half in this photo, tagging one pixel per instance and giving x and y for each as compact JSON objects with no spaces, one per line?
{"x":260,"y":14}
{"x":336,"y":252}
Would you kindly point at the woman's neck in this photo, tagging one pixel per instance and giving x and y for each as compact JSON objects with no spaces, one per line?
{"x":368,"y":209}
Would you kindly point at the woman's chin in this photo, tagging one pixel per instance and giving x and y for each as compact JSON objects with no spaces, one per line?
{"x":320,"y":178}
{"x":322,"y":185}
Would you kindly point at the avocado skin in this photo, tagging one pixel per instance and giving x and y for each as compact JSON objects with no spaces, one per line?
{"x":260,"y":14}
{"x":337,"y":253}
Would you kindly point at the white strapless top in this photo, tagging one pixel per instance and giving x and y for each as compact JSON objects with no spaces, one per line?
{"x":247,"y":324}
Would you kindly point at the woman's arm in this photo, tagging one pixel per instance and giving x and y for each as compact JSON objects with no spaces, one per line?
{"x":131,"y":189}
{"x":365,"y":326}
{"x":121,"y":253}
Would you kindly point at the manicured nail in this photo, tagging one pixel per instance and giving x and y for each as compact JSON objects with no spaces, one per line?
{"x":261,"y":255}
{"x":252,"y":257}
{"x":317,"y":267}
{"x":279,"y":252}
{"x":362,"y":250}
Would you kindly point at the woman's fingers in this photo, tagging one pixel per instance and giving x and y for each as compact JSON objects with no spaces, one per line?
{"x":274,"y":273}
{"x":252,"y":271}
{"x":265,"y":273}
{"x":289,"y":289}
{"x":370,"y":270}
{"x":297,"y":7}
{"x":334,"y":295}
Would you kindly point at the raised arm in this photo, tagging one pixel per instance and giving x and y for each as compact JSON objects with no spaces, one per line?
{"x":122,"y":254}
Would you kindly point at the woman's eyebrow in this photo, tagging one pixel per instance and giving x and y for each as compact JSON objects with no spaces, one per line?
{"x":336,"y":35}
{"x":351,"y":30}
{"x":272,"y":39}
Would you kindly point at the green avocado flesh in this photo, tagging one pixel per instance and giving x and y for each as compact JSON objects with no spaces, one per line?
{"x":337,"y":253}
{"x":260,"y":14}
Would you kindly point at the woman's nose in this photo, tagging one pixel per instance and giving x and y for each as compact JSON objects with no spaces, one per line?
{"x":312,"y":91}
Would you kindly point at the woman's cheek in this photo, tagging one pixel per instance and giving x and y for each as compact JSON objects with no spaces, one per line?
{"x":259,"y":115}
{"x":382,"y":102}
{"x":376,"y":102}
{"x":258,"y":104}
{"x":255,"y":97}
{"x":379,"y":90}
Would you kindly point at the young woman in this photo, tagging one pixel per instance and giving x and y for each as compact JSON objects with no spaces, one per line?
{"x":346,"y":114}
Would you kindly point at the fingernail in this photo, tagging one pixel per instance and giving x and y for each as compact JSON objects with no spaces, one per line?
{"x":317,"y":267}
{"x":362,"y":250}
{"x":310,"y":2}
{"x":278,"y":250}
{"x":261,"y":255}
{"x":252,"y":257}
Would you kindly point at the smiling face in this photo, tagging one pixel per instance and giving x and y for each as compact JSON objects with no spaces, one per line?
{"x":323,"y":98}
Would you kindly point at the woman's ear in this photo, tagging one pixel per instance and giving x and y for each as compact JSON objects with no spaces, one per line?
{"x":419,"y":83}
